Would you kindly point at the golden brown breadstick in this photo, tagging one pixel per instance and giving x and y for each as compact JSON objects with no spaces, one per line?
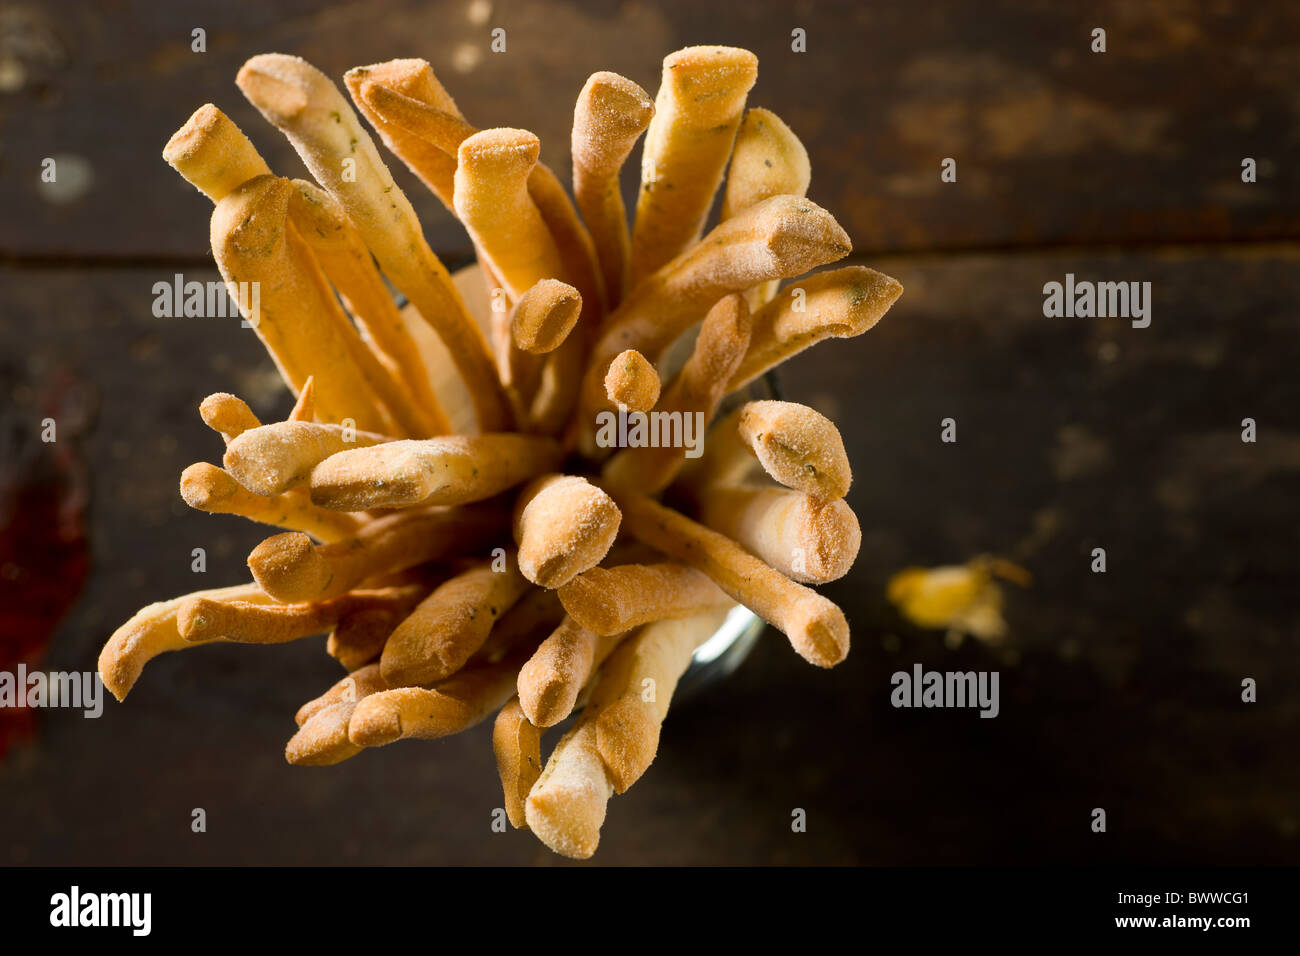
{"x":805,"y":538}
{"x":798,"y":446}
{"x":522,"y":628}
{"x":415,"y":117}
{"x":347,"y":263}
{"x":838,"y":304}
{"x":450,"y":470}
{"x":630,"y":700}
{"x":696,"y":391}
{"x":566,"y":807}
{"x":544,"y":316}
{"x":564,"y":525}
{"x":322,"y":737}
{"x":493,"y":202}
{"x":539,"y":323}
{"x":300,"y":101}
{"x":227,"y":414}
{"x":550,"y":681}
{"x":422,"y":124}
{"x":213,"y":154}
{"x":727,"y":460}
{"x":781,"y":236}
{"x":153,"y":631}
{"x":632,"y":382}
{"x":202,"y":619}
{"x":286,"y":298}
{"x":768,"y":160}
{"x":360,"y":682}
{"x":815,"y":626}
{"x":613,"y":600}
{"x":304,"y":409}
{"x":273,"y":458}
{"x":697,"y":110}
{"x":456,"y":704}
{"x":449,"y":625}
{"x":517,"y":745}
{"x":358,"y":639}
{"x":611,"y":113}
{"x":207,"y":488}
{"x":291,"y":569}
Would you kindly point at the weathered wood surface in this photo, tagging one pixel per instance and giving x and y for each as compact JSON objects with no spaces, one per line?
{"x":1118,"y":690}
{"x":1055,"y":144}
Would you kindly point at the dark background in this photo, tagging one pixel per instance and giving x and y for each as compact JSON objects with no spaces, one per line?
{"x":1119,"y":690}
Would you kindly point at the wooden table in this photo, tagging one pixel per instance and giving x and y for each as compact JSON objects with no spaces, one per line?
{"x":1119,"y":690}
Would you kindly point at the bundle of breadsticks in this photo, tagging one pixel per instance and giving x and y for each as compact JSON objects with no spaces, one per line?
{"x":451,"y":510}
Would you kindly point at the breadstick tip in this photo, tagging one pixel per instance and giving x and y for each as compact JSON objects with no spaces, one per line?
{"x":203,"y":483}
{"x":287,"y":565}
{"x":632,"y":381}
{"x":279,"y":85}
{"x":374,"y":723}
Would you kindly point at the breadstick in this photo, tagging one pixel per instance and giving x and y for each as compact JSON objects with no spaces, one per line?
{"x":696,"y":391}
{"x":564,"y":525}
{"x":807,"y":539}
{"x":838,"y":304}
{"x":610,"y":115}
{"x":300,"y":101}
{"x":400,"y":96}
{"x":304,"y":409}
{"x":291,"y":569}
{"x":322,"y":737}
{"x":273,"y":458}
{"x":727,"y":460}
{"x":207,"y":488}
{"x":492,"y":201}
{"x":213,"y":154}
{"x":153,"y":631}
{"x":781,"y":236}
{"x":549,"y":683}
{"x":517,"y":745}
{"x":408,"y":104}
{"x":347,"y":263}
{"x":613,"y":600}
{"x":768,"y":160}
{"x":288,"y":301}
{"x":815,"y":627}
{"x":630,"y":700}
{"x":224,"y":413}
{"x":799,"y":447}
{"x":359,"y":638}
{"x":539,"y":323}
{"x":456,"y":704}
{"x":572,"y":240}
{"x":632,"y":382}
{"x":423,"y":110}
{"x":566,"y":807}
{"x":544,"y":316}
{"x":449,"y":625}
{"x":202,"y":619}
{"x":450,"y":470}
{"x":697,"y":110}
{"x":360,"y":682}
{"x":522,"y":628}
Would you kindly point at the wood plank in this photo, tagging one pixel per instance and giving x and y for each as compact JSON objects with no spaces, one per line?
{"x":1118,"y":690}
{"x":1054,"y":143}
